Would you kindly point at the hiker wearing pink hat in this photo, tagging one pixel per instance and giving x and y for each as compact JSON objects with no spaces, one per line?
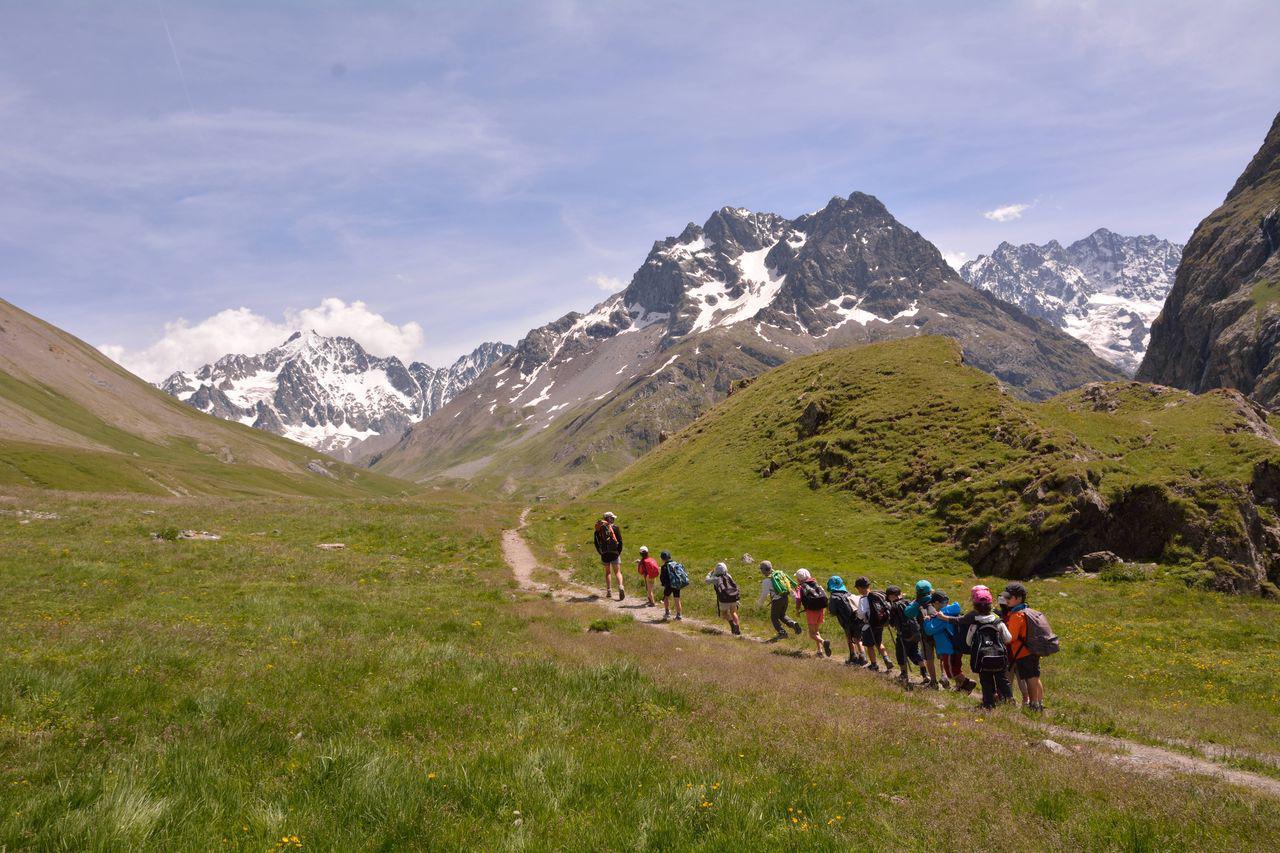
{"x":987,"y":639}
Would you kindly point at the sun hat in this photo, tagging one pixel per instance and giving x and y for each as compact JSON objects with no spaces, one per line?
{"x":924,"y":589}
{"x":803,"y":575}
{"x":608,"y":516}
{"x":644,"y":549}
{"x":721,"y":569}
{"x":980,"y":594}
{"x":836,"y":584}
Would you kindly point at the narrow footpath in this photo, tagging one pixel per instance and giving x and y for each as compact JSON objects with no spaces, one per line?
{"x":1138,"y":757}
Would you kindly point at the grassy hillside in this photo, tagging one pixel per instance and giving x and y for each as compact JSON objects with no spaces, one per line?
{"x":72,"y":419}
{"x":897,"y":462}
{"x":257,"y":693}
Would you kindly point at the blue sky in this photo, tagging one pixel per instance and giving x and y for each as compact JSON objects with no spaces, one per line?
{"x":179,"y":179}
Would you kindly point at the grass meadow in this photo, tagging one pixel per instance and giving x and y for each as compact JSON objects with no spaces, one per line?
{"x":258,"y":693}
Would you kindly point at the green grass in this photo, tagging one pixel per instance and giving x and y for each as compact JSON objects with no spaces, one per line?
{"x":399,"y":694}
{"x":1149,"y":659}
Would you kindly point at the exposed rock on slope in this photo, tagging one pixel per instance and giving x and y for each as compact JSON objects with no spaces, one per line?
{"x":580,"y":397}
{"x":1105,"y":289}
{"x":1147,"y":472}
{"x":1220,"y":327}
{"x":327,"y":392}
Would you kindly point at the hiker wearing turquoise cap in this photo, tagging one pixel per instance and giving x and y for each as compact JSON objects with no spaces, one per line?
{"x":842,"y":605}
{"x":921,"y":610}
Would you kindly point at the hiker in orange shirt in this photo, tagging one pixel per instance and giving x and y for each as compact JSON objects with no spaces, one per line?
{"x":1025,"y":664}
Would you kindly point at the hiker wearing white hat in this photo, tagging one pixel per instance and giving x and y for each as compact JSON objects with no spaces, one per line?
{"x":608,"y":542}
{"x":649,"y":570}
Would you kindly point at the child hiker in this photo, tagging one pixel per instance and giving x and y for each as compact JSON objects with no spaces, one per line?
{"x":673,"y":579}
{"x":844,"y":607}
{"x":906,"y":636}
{"x":873,"y":607}
{"x":812,"y":599}
{"x":945,"y":642}
{"x":649,"y":570}
{"x":727,"y":596}
{"x":989,"y":638}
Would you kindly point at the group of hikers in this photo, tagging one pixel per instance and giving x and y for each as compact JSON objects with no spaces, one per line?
{"x":1003,"y":637}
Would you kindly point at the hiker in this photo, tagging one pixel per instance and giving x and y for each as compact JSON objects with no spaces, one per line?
{"x":943,"y":634}
{"x":776,"y":589}
{"x":727,"y":596}
{"x":906,"y":635}
{"x":1023,"y":646}
{"x":673,"y":578}
{"x":812,"y":599}
{"x":873,"y":607}
{"x":919,"y":610}
{"x":844,"y":607}
{"x":649,"y":570}
{"x":989,"y":639}
{"x":608,"y":541}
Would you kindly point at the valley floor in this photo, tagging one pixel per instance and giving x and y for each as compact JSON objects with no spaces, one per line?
{"x":257,"y":692}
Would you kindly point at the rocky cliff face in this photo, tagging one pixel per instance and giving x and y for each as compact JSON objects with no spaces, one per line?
{"x":1105,"y":289}
{"x":1220,"y":327}
{"x":718,"y":303}
{"x":328,"y":392}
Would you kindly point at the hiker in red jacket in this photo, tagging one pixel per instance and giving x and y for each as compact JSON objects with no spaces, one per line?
{"x":608,"y":542}
{"x":649,"y":570}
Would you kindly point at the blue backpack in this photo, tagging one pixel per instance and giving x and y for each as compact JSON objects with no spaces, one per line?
{"x":677,"y":577}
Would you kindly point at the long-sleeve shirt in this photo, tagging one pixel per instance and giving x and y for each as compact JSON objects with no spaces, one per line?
{"x":987,"y":620}
{"x":768,"y":593}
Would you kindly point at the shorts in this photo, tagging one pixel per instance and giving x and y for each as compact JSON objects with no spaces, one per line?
{"x":610,"y":559}
{"x":727,"y":608}
{"x":1027,"y":667}
{"x":815,"y":617}
{"x":927,"y":646}
{"x":873,"y":635}
{"x":952,"y":665}
{"x":668,"y":591}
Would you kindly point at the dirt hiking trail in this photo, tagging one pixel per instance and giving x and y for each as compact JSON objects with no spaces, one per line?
{"x":1131,"y":755}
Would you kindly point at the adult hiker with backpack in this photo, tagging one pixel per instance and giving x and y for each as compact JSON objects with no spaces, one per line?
{"x":727,"y":596}
{"x":906,"y":635}
{"x":673,"y":578}
{"x":608,"y":542}
{"x":989,"y":639}
{"x":1030,"y":639}
{"x":843,"y":606}
{"x":812,"y":599}
{"x":873,"y":607}
{"x":776,"y":589}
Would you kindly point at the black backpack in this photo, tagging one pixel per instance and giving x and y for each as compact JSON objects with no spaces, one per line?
{"x":726,"y":589}
{"x":990,"y":654}
{"x":841,"y":606}
{"x":908,"y":629}
{"x":812,"y":596}
{"x":877,"y":609}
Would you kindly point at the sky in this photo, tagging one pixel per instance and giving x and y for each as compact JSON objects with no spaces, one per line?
{"x":179,"y":180}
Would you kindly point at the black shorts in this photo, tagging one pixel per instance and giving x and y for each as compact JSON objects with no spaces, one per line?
{"x":852,"y":627}
{"x":609,"y":559}
{"x":1027,"y":667}
{"x":873,"y":635}
{"x":668,"y":591}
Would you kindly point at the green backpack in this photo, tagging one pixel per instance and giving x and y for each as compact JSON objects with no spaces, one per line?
{"x":782,"y":584}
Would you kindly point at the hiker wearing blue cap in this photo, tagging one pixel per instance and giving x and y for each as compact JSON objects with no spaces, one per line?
{"x":842,"y":606}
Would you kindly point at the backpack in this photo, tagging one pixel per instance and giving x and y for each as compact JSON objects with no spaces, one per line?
{"x":908,"y":628}
{"x":812,"y":596}
{"x":877,"y":609}
{"x":606,"y":536}
{"x":726,"y":589}
{"x":782,"y":584}
{"x":677,"y":577}
{"x":990,"y":654}
{"x":841,"y":606}
{"x":1040,"y":639}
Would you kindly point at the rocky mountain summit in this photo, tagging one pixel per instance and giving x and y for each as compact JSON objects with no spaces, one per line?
{"x":328,"y":392}
{"x":718,"y":303}
{"x":1105,"y":289}
{"x":1221,"y":325}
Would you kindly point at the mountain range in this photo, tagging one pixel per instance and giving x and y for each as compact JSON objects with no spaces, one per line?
{"x":716,"y":304}
{"x":1105,"y":289}
{"x":328,"y":392}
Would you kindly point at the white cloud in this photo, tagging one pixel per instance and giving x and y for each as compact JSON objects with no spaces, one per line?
{"x":1007,"y":213}
{"x":608,"y":283}
{"x":241,"y":330}
{"x":955,"y":259}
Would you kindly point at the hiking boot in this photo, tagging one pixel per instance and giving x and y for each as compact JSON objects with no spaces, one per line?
{"x":826,"y":647}
{"x":737,"y":631}
{"x":1036,"y":707}
{"x":679,"y":618}
{"x":781,"y":635}
{"x":946,"y":683}
{"x":933,"y":684}
{"x":873,"y":666}
{"x":888,"y":666}
{"x":795,"y":626}
{"x":852,"y":661}
{"x":622,"y":593}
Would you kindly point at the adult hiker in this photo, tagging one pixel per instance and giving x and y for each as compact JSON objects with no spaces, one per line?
{"x":906,"y":635}
{"x":608,"y":541}
{"x":1030,"y":638}
{"x":776,"y":589}
{"x":727,"y":596}
{"x":845,"y":609}
{"x":989,"y":639}
{"x":673,"y":578}
{"x":873,"y":607}
{"x":649,"y":570}
{"x":943,"y":634}
{"x":920,"y":609}
{"x":812,"y":599}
